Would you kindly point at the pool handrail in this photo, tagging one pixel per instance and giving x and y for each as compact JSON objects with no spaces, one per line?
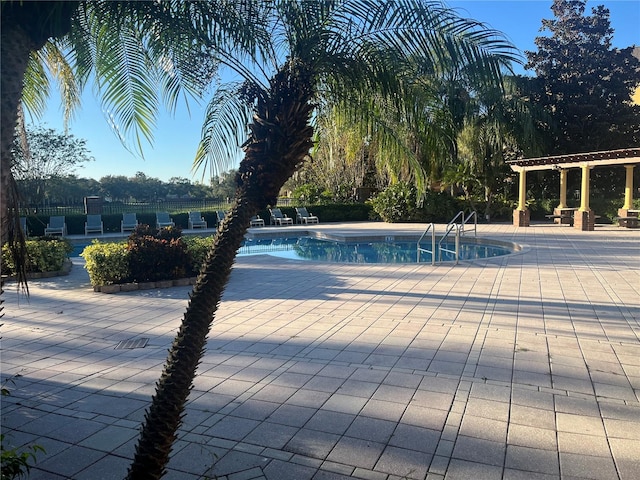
{"x":456,"y":251}
{"x":473,"y":214}
{"x":465,"y":220}
{"x":433,"y":244}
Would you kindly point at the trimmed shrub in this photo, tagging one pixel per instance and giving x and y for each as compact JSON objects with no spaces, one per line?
{"x":198,"y":247}
{"x":157,"y":254}
{"x":341,"y":212}
{"x":46,"y":254}
{"x":396,"y":203}
{"x":107,"y":263}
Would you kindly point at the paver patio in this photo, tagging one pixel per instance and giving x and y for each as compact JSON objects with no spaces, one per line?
{"x":519,"y":367}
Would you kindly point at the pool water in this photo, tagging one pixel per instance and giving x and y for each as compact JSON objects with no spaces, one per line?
{"x":77,"y":249}
{"x":306,"y":248}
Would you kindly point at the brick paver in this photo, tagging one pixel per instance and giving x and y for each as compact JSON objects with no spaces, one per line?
{"x":523,"y":366}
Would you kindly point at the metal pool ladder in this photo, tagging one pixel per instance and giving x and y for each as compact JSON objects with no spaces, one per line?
{"x":433,"y":244}
{"x":465,"y":221}
{"x":436,"y":254}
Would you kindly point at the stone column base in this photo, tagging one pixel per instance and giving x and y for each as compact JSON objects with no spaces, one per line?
{"x":521,"y":218}
{"x":625,"y":214}
{"x":584,"y":221}
{"x":565,"y":216}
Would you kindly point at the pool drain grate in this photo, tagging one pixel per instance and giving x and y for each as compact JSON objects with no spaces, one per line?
{"x":132,"y":343}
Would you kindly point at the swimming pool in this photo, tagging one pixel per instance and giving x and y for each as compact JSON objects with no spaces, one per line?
{"x":375,"y":250}
{"x":381,"y":250}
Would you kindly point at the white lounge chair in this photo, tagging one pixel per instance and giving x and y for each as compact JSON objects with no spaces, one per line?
{"x":277,"y":218}
{"x":93,"y":224}
{"x":129,"y":222}
{"x":196,"y":220}
{"x":220,"y":214}
{"x":164,"y":220}
{"x":303,"y":216}
{"x":56,"y":226}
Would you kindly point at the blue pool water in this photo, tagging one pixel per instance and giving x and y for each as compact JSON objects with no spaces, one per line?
{"x":306,"y":248}
{"x":77,"y":249}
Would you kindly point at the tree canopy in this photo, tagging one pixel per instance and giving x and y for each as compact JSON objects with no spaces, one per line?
{"x":46,"y":154}
{"x":583,"y":83}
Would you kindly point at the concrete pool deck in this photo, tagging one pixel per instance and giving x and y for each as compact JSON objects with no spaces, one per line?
{"x":518,"y":367}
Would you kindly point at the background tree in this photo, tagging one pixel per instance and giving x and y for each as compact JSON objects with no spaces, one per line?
{"x":583,"y":83}
{"x":499,"y":125}
{"x":117,"y":187}
{"x":342,"y":160}
{"x":223,"y":186}
{"x":48,"y":154}
{"x":179,"y":187}
{"x":147,"y":189}
{"x":71,"y":189}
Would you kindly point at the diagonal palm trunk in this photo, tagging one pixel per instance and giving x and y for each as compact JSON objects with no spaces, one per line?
{"x":280,"y":139}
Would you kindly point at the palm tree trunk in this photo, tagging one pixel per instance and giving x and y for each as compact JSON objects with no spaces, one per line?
{"x":280,"y":140}
{"x":15,"y":47}
{"x":26,"y":26}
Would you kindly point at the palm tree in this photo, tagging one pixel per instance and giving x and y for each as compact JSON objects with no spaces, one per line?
{"x":139,"y":53}
{"x":498,"y":126}
{"x":309,"y":51}
{"x":290,"y":55}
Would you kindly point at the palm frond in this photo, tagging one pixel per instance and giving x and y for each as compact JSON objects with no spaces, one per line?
{"x":53,"y":56}
{"x":224,"y":127}
{"x":127,"y":81}
{"x":36,"y":87}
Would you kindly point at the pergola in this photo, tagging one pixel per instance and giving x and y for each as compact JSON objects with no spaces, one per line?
{"x":582,"y":218}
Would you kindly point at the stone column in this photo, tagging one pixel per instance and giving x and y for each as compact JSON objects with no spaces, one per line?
{"x":563,"y":200}
{"x":563,"y":188}
{"x":628,"y":188}
{"x":584,"y":218}
{"x":628,"y":200}
{"x":521,"y":216}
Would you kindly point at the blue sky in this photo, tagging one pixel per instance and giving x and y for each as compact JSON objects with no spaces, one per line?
{"x":176,"y":136}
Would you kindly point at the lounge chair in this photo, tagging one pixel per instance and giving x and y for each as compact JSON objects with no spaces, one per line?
{"x":257,"y":221}
{"x":163,"y":220}
{"x":129,"y":222}
{"x":220,"y":214}
{"x":303,"y":216}
{"x":277,"y":218}
{"x":93,"y":224}
{"x":196,"y":220}
{"x":56,"y":226}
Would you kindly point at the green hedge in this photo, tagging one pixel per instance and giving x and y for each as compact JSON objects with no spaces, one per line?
{"x":107,"y":263}
{"x":398,"y":203}
{"x":43,"y":255}
{"x":148,"y":255}
{"x":333,"y":212}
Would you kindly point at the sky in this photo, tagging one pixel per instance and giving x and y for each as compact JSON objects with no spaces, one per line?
{"x":177,"y":135}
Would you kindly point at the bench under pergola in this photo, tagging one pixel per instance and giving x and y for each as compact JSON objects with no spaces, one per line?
{"x":582,"y":218}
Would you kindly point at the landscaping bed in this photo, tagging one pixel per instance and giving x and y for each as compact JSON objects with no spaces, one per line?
{"x":150,"y":258}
